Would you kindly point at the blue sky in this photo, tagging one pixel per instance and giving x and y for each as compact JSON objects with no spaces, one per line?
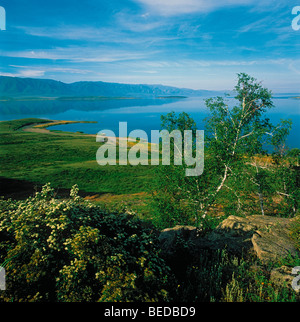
{"x":185,"y":43}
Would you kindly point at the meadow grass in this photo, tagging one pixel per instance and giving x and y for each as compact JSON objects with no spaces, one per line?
{"x":65,"y":159}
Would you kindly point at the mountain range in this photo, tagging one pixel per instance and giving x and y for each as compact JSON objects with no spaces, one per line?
{"x":16,"y":87}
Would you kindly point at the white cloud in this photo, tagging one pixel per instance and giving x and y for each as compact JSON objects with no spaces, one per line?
{"x":293,"y":66}
{"x":32,"y":73}
{"x":119,"y":34}
{"x":197,"y":63}
{"x":33,"y":54}
{"x":46,"y":68}
{"x":81,"y":54}
{"x":146,"y":71}
{"x":25,"y":73}
{"x":175,"y":7}
{"x":42,"y":71}
{"x":70,"y":32}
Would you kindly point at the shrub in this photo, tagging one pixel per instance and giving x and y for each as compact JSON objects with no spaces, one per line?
{"x":71,"y":250}
{"x":295,"y":231}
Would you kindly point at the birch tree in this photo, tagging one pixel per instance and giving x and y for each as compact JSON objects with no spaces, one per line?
{"x":233,"y":135}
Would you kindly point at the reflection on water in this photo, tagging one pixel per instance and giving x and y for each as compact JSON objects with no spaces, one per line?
{"x":49,"y":107}
{"x":141,"y":114}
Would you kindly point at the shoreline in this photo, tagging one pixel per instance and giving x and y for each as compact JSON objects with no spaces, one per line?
{"x":43,"y":128}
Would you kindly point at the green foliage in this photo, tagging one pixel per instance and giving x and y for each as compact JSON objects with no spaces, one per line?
{"x":242,"y":128}
{"x":170,"y":202}
{"x":181,"y":122}
{"x":17,"y":124}
{"x":294,"y":153}
{"x":173,"y":190}
{"x":206,"y":276}
{"x":295,"y":232}
{"x":219,"y":276}
{"x":280,"y":135}
{"x":253,"y":284}
{"x":239,"y":176}
{"x":64,"y":160}
{"x":70,"y":250}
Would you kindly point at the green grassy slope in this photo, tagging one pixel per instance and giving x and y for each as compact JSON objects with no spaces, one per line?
{"x":64,"y":159}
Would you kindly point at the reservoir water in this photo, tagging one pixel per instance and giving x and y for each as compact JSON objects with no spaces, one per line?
{"x":141,"y":114}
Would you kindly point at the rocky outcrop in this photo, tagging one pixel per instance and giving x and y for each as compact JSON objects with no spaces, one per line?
{"x":266,"y":237}
{"x":170,"y":237}
{"x":282,"y":276}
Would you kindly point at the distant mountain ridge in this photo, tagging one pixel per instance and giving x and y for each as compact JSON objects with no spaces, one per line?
{"x":15,"y":87}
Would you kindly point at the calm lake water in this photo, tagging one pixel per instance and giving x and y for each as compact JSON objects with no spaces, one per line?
{"x":143,"y":114}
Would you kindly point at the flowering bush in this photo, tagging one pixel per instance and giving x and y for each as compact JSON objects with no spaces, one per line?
{"x":71,"y":250}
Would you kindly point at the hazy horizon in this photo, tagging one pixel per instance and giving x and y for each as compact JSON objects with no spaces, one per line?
{"x":226,"y":91}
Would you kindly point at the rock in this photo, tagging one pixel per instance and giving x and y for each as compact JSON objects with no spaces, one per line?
{"x":267,"y":237}
{"x":234,"y":233}
{"x":264,"y":236}
{"x":171,"y":236}
{"x":282,"y":276}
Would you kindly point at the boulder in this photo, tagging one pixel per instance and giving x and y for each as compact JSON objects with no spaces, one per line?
{"x":266,"y":237}
{"x":234,"y":233}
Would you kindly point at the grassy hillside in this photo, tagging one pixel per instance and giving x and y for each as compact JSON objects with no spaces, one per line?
{"x":31,"y":159}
